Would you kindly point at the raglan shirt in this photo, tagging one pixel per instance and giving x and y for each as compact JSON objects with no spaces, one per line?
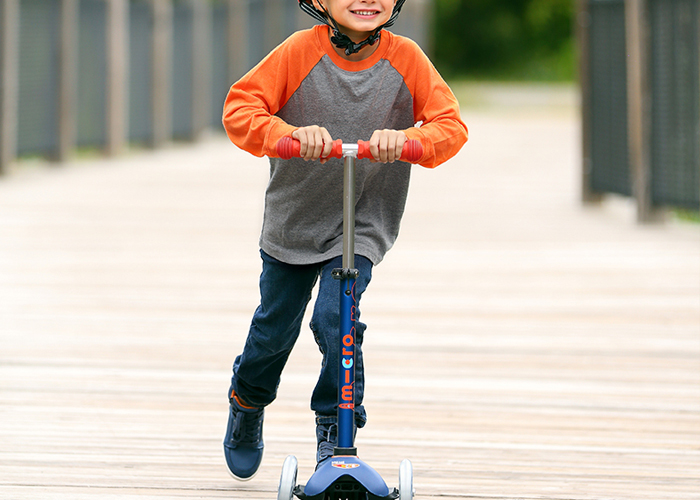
{"x":305,"y":82}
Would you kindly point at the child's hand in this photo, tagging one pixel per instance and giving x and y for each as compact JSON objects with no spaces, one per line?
{"x":386,"y":145}
{"x":314,"y":142}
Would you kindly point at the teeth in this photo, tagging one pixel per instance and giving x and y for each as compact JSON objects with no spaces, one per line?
{"x":364,"y":12}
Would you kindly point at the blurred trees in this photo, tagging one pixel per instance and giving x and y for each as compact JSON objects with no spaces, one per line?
{"x":505,"y":39}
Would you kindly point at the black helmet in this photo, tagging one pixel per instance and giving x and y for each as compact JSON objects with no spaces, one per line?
{"x":341,"y":40}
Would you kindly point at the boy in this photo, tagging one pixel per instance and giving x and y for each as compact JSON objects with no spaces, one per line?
{"x":345,"y":79}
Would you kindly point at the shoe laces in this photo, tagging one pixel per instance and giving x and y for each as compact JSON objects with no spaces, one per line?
{"x":327,"y":439}
{"x":247,"y":426}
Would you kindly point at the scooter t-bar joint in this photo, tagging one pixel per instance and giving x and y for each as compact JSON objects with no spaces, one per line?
{"x":344,"y":274}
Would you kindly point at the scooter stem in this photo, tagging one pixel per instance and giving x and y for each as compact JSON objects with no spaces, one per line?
{"x":347,"y":276}
{"x":349,"y":210}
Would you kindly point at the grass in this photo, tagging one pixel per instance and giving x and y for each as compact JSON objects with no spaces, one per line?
{"x":560,"y":66}
{"x":687,"y":215}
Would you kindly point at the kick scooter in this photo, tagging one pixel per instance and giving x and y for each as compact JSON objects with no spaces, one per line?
{"x":344,"y":476}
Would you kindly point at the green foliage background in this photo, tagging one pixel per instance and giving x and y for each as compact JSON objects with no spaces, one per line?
{"x":505,"y":39}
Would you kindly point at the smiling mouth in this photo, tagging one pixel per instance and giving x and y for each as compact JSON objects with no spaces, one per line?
{"x":367,"y":13}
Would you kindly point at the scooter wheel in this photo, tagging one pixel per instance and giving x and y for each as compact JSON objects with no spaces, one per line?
{"x":288,"y":479}
{"x":406,"y":480}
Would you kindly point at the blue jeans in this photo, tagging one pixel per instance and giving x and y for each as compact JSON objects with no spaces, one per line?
{"x":285,"y":291}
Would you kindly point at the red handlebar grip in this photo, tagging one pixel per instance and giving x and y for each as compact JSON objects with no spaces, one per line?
{"x":287,"y":148}
{"x":363,"y":150}
{"x":290,"y":148}
{"x":411,"y":152}
{"x":337,"y":149}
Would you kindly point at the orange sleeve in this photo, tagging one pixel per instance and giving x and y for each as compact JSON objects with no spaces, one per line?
{"x":442,"y":132}
{"x":249,"y":111}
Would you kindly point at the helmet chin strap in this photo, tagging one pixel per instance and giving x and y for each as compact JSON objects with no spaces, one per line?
{"x":340,"y":39}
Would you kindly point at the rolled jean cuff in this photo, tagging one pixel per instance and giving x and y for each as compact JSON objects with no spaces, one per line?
{"x":360,"y":418}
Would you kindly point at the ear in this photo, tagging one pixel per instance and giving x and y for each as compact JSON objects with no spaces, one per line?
{"x":319,"y":5}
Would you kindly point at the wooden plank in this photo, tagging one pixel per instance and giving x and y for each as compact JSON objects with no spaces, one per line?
{"x":519,"y":346}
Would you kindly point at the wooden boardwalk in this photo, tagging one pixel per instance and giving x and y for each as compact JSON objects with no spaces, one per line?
{"x":520,"y":346}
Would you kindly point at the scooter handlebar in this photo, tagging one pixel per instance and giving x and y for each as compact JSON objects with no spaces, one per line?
{"x":290,"y":148}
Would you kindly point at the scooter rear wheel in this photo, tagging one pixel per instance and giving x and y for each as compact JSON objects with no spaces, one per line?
{"x":406,"y":480}
{"x":288,"y":478}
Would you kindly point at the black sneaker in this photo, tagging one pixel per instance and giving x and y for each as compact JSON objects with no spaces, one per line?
{"x":243,"y":443}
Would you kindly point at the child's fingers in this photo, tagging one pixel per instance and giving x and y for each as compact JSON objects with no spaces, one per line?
{"x":400,"y":142}
{"x":381,"y":141}
{"x":395,"y":142}
{"x":314,"y":141}
{"x":306,"y":140}
{"x":315,"y":146}
{"x":386,"y":145}
{"x":327,"y":145}
{"x":374,"y":144}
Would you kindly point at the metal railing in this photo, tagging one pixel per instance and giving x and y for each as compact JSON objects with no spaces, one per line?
{"x":102,"y":74}
{"x":640,"y":81}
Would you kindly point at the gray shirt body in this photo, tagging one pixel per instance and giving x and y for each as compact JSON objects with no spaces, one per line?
{"x":303,"y":219}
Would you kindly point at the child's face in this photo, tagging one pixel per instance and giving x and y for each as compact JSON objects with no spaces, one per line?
{"x":358,"y":18}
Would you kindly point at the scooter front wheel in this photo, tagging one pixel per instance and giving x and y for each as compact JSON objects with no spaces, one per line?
{"x":406,"y":480}
{"x":288,"y":479}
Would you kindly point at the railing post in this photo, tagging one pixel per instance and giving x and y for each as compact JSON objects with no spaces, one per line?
{"x":162,"y":71}
{"x":9,"y":85}
{"x":426,"y":17}
{"x":302,"y":19}
{"x":639,"y":106}
{"x":68,"y":65}
{"x":274,"y":23}
{"x":583,"y":34}
{"x":201,"y":66}
{"x":238,"y":19}
{"x":117,"y":75}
